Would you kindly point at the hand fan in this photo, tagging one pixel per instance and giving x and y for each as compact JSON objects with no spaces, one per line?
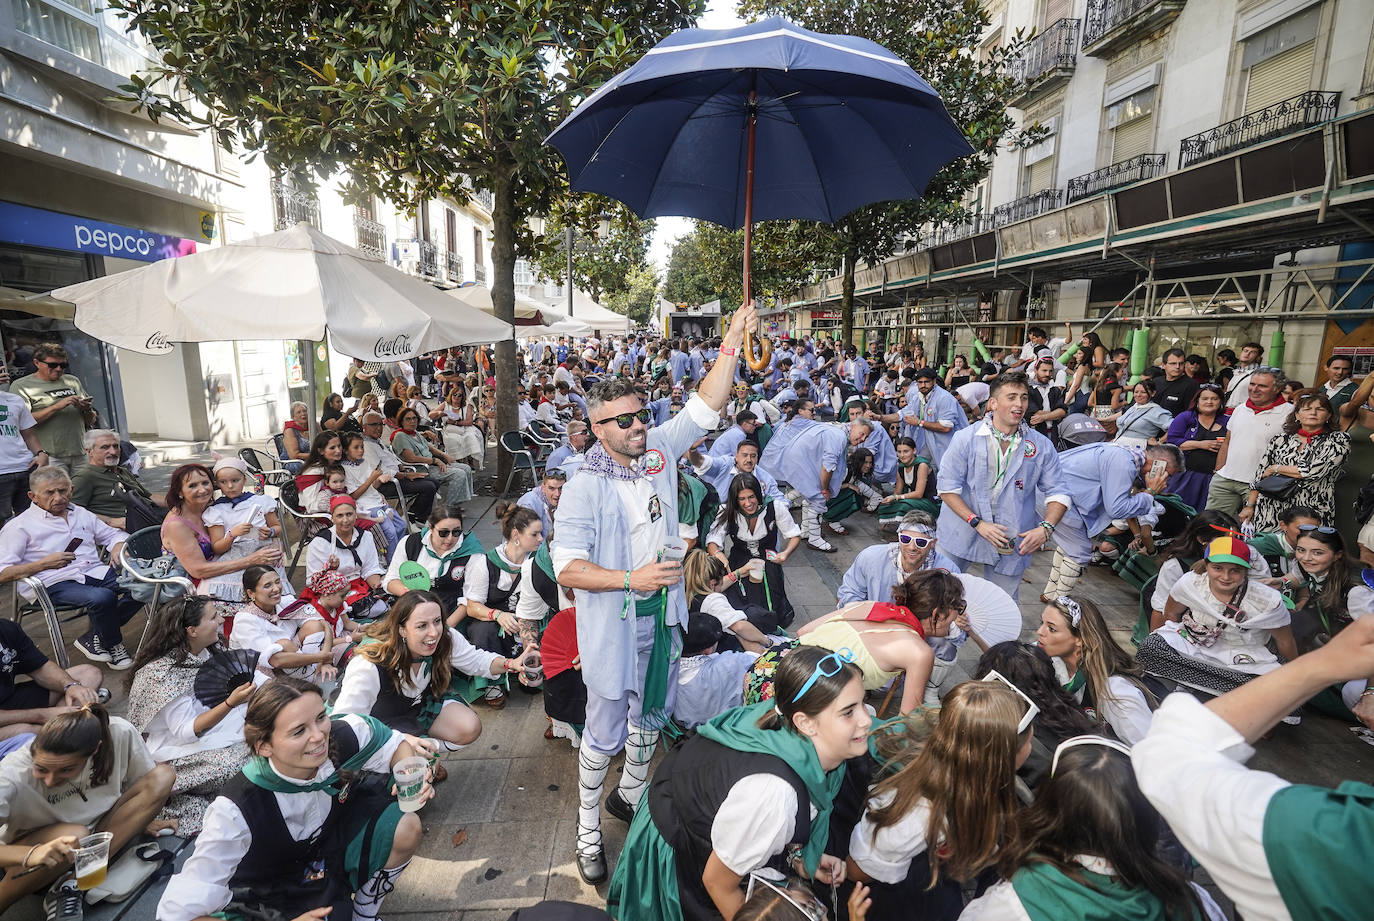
{"x":415,"y":577}
{"x":224,"y":672}
{"x":558,"y":645}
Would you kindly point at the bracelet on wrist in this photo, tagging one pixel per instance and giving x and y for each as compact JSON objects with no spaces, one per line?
{"x":1367,"y":691}
{"x":25,"y":862}
{"x":627,"y":580}
{"x":1047,"y":526}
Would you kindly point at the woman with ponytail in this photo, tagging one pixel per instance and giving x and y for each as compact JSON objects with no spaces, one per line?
{"x":84,"y":771}
{"x":754,"y":788}
{"x":203,"y":744}
{"x":306,"y":831}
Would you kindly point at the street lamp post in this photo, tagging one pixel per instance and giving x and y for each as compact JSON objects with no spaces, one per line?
{"x":603,"y":229}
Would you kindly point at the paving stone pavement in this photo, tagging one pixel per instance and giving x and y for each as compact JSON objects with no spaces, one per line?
{"x":514,"y":793}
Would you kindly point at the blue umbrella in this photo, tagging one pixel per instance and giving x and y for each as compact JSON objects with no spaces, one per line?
{"x":833,"y":122}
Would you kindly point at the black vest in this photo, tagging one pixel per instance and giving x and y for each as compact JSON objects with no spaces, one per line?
{"x":450,"y":579}
{"x":278,"y":871}
{"x":498,"y":598}
{"x":740,"y":546}
{"x":686,"y":793}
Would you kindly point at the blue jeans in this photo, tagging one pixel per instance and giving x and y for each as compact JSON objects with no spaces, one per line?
{"x":106,"y":606}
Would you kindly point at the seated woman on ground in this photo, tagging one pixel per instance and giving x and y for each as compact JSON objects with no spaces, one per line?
{"x":294,"y":786}
{"x":1218,"y":623}
{"x":757,"y":530}
{"x":84,"y":772}
{"x":1327,"y":595}
{"x":1090,"y":839}
{"x":415,"y":674}
{"x":888,"y":640}
{"x":703,"y":578}
{"x":1101,"y":676}
{"x":203,"y":744}
{"x":925,"y":829}
{"x":240,"y":523}
{"x":915,"y":489}
{"x":345,"y":549}
{"x":1184,"y":552}
{"x":287,"y":644}
{"x":442,"y":550}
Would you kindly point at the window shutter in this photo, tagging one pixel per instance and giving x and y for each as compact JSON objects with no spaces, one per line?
{"x":1132,"y":139}
{"x":1281,"y":77}
{"x":1056,"y":10}
{"x":1041,"y":176}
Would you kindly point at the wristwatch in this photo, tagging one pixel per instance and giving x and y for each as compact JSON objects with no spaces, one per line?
{"x":974,"y":522}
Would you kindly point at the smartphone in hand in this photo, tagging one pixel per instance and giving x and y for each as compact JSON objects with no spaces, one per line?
{"x":75,"y":542}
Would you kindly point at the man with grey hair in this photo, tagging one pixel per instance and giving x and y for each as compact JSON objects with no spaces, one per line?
{"x":57,"y":542}
{"x":618,"y":549}
{"x":102,"y":484}
{"x":877,"y":569}
{"x":1253,"y":424}
{"x":418,"y":489}
{"x":576,"y":444}
{"x":1101,"y":480}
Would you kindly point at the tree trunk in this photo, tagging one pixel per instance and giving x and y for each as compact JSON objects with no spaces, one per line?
{"x":847,"y":300}
{"x":503,"y":305}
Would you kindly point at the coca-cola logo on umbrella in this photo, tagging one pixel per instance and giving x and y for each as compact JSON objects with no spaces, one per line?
{"x":157,"y":342}
{"x":397,"y":346}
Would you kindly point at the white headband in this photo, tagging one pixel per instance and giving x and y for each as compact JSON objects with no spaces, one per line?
{"x":1075,"y":610}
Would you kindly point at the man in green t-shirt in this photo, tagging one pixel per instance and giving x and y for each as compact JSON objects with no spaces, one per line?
{"x":99,"y":485}
{"x":59,"y":403}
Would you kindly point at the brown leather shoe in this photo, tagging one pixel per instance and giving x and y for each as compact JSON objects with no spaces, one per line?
{"x":439,"y":774}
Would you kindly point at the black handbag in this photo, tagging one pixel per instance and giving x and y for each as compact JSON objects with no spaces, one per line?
{"x":1276,"y":485}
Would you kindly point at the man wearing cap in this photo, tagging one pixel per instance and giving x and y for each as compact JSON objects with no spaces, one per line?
{"x":746,"y":425}
{"x":876,"y":569}
{"x":618,"y":549}
{"x":543,"y":499}
{"x":1101,"y":479}
{"x":994,"y":476}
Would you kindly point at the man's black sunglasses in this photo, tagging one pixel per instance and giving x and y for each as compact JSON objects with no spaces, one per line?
{"x":625,"y":420}
{"x":64,"y":365}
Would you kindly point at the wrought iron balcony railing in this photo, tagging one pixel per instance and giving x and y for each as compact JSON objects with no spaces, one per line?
{"x":291,"y":205}
{"x":371,"y":236}
{"x":1055,"y":49}
{"x":1027,"y":207}
{"x":454,"y":262}
{"x":485,"y":199}
{"x":479,"y":273}
{"x":1105,"y":18}
{"x":1145,"y":166}
{"x":978,"y":223}
{"x":1301,"y":111}
{"x":427,"y":263}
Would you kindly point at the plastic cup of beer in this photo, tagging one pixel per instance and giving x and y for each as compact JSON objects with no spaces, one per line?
{"x":756,"y":570}
{"x":409,"y":774}
{"x":92,"y":856}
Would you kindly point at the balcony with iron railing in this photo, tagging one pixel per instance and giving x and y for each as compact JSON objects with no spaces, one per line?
{"x":524,"y":274}
{"x":1111,"y":25}
{"x":1047,"y":60}
{"x":371,"y":236}
{"x":291,"y":205}
{"x":976,"y":224}
{"x":426,"y":261}
{"x":1027,"y":207}
{"x":454,"y":263}
{"x":1145,"y":166}
{"x":479,"y":273}
{"x":1304,"y":110}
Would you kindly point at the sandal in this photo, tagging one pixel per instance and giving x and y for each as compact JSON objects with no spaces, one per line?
{"x":439,"y":774}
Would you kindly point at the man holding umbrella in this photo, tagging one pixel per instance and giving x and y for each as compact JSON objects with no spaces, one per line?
{"x":617,"y":548}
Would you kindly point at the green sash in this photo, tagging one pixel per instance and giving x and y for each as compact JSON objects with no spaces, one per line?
{"x":1318,"y":842}
{"x":1049,"y":894}
{"x":763,"y":433}
{"x":738,"y":729}
{"x":842,"y":505}
{"x":654,"y":699}
{"x":260,"y":773}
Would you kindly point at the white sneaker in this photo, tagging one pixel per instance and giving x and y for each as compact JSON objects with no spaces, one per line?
{"x":820,"y":543}
{"x":120,"y":658}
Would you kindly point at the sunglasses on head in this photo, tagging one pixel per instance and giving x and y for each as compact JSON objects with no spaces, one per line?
{"x":625,"y":420}
{"x":1032,"y":710}
{"x":920,"y":542}
{"x":829,"y":666}
{"x":1319,"y":528}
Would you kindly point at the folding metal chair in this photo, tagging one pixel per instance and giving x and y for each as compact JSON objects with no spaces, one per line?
{"x":147,"y":545}
{"x":522,"y":457}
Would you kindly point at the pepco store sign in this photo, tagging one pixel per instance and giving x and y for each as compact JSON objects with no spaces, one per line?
{"x":55,"y":230}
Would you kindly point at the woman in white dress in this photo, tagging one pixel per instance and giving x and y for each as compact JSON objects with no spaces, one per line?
{"x":286,"y":645}
{"x":203,"y":743}
{"x":458,"y":418}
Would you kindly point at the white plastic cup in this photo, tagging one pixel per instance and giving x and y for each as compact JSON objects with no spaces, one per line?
{"x":91,"y":855}
{"x":756,"y":570}
{"x":409,"y":774}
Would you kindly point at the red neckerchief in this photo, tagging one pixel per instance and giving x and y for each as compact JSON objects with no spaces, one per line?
{"x":1260,"y":409}
{"x":1308,"y":436}
{"x":886,"y":610}
{"x":296,"y":426}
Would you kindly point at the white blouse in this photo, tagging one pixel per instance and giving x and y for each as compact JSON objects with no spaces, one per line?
{"x":362,"y":681}
{"x":782,"y":512}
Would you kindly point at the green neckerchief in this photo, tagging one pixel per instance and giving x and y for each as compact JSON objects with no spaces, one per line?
{"x":259,"y":772}
{"x":738,"y":729}
{"x":544,"y":561}
{"x":1318,"y":842}
{"x":1049,"y":894}
{"x":1075,"y":684}
{"x":502,"y":564}
{"x":470,"y":546}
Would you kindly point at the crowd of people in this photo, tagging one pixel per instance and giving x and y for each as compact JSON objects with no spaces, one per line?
{"x":851,"y":765}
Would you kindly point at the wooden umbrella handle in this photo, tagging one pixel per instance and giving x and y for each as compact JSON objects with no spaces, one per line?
{"x":765,"y":352}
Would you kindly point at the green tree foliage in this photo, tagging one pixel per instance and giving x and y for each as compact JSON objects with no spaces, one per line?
{"x":601,"y":264}
{"x":636,"y":298}
{"x":407,"y":96}
{"x":687,"y":281}
{"x":784,"y":256}
{"x":941,"y":40}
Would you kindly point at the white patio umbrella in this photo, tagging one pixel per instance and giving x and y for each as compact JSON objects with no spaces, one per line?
{"x":528,"y":312}
{"x":294,"y":284}
{"x":571,"y":327}
{"x":598,"y":317}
